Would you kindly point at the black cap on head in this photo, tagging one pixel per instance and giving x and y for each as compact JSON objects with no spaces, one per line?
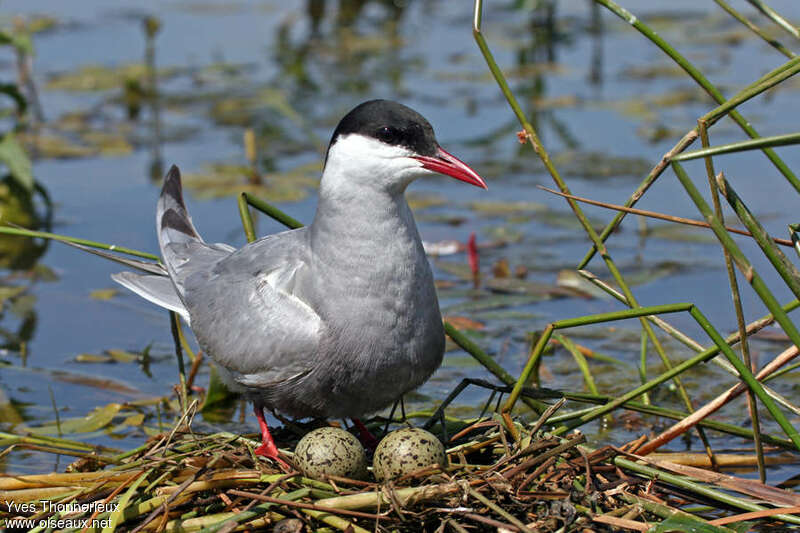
{"x":391,"y":123}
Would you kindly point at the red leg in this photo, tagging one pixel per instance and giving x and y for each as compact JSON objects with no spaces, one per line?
{"x":267,"y":448}
{"x":365,"y":436}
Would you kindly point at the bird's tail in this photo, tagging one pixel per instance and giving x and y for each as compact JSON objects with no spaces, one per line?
{"x":176,"y":233}
{"x":173,"y":223}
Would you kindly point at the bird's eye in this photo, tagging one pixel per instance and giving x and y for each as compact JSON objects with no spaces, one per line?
{"x":388,"y":134}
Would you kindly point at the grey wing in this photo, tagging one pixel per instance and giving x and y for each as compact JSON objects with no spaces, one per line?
{"x":157,"y":289}
{"x":247,"y":314}
{"x":189,"y":258}
{"x":166,"y":291}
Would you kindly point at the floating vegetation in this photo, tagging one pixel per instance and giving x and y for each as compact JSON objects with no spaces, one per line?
{"x":103,"y":294}
{"x":649,"y":72}
{"x":32,"y":24}
{"x":221,"y":179}
{"x":110,"y":356}
{"x":103,"y":78}
{"x":675,"y":232}
{"x":55,"y":144}
{"x":600,"y":165}
{"x":507,"y":209}
{"x":646,"y":108}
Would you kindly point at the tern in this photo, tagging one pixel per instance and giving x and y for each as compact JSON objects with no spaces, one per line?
{"x":334,"y":320}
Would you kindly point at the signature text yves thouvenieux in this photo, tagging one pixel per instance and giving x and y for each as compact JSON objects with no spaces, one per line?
{"x":57,"y":515}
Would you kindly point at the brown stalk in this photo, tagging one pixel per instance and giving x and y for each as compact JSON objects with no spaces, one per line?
{"x":654,"y":214}
{"x":682,"y":426}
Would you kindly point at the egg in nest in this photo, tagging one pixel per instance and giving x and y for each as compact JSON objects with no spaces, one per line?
{"x":330,"y":451}
{"x":407,"y":450}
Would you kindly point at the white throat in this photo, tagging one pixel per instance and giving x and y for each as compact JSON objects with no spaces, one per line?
{"x":358,"y":165}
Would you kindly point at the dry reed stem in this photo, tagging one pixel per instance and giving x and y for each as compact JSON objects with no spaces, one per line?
{"x":682,"y":426}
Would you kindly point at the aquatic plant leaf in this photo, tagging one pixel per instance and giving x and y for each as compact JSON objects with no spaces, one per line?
{"x":134,"y":420}
{"x":418,"y":201}
{"x":655,"y":133}
{"x":121,"y":356}
{"x":9,"y":292}
{"x":41,"y":272}
{"x":52,"y":146}
{"x":567,"y":220}
{"x":109,"y":144}
{"x":24,"y":305}
{"x":460,"y":361}
{"x":495,"y":208}
{"x":12,"y":91}
{"x":506,"y":314}
{"x":680,"y":233}
{"x":39,"y":23}
{"x":103,"y":294}
{"x":110,"y":356}
{"x":17,"y":161}
{"x":681,"y":523}
{"x":600,"y":164}
{"x":92,"y":358}
{"x":504,"y":234}
{"x":97,"y":419}
{"x":102,"y":78}
{"x":651,"y":71}
{"x":500,"y":301}
{"x":441,"y":218}
{"x":95,"y":382}
{"x":220,"y":180}
{"x":458,"y":269}
{"x":652,"y":273}
{"x":20,"y":40}
{"x":144,"y":361}
{"x":521,"y":286}
{"x":8,"y":412}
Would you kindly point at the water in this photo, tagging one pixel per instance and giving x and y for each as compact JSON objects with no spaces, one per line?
{"x":289,"y":73}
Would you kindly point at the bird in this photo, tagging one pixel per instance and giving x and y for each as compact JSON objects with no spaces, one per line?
{"x":337,"y":319}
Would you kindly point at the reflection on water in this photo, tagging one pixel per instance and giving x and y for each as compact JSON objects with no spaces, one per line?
{"x":244,"y":97}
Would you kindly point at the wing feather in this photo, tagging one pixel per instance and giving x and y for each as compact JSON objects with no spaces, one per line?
{"x":247,"y":314}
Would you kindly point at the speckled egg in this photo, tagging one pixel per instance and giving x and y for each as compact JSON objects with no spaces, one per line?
{"x":406,"y":450}
{"x":330,"y":452}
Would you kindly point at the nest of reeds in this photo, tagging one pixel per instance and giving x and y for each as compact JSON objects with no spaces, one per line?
{"x":184,"y":481}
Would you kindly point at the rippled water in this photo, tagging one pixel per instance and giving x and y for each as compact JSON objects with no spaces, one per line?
{"x":606,"y":103}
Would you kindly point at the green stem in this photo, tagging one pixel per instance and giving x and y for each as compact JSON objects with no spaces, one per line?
{"x":488,"y":362}
{"x":747,"y":376}
{"x":696,"y":488}
{"x":272,"y":211}
{"x":762,"y":142}
{"x":738,"y":257}
{"x":691,"y":135}
{"x":775,"y":17}
{"x":94,"y":244}
{"x":755,"y":29}
{"x":540,"y":150}
{"x":737,"y":303}
{"x":247,"y":219}
{"x":785,"y":268}
{"x":664,"y":412}
{"x":580,"y":360}
{"x":174,"y":322}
